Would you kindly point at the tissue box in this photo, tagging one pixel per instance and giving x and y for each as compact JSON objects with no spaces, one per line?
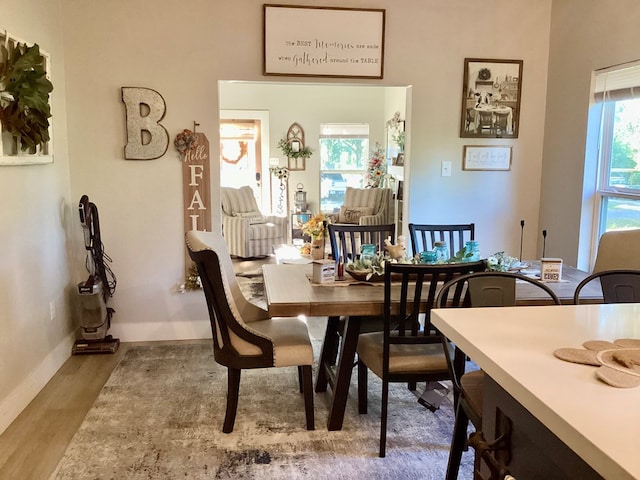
{"x":324,"y":271}
{"x":551,"y":269}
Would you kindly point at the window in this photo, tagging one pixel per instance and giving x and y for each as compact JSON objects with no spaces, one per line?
{"x":344,"y":152}
{"x":618,"y":186}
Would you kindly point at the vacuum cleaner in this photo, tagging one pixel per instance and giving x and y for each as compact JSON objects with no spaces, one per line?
{"x":92,"y":294}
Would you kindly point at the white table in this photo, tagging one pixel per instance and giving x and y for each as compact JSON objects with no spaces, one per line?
{"x":514,"y":346}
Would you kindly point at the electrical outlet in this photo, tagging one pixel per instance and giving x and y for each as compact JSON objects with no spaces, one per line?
{"x":52,"y":309}
{"x":446,"y":169}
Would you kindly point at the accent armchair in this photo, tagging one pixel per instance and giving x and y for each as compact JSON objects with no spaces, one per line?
{"x":246,"y":230}
{"x":365,"y":206}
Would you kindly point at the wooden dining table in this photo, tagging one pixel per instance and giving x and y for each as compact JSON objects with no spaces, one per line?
{"x":290,"y":292}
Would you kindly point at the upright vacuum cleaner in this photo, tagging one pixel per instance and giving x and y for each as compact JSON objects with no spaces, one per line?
{"x":92,"y":294}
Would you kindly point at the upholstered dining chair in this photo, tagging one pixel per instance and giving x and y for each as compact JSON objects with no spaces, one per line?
{"x":408,"y":349}
{"x":480,"y":289}
{"x":618,"y":286}
{"x":364,"y":206}
{"x":247,"y":231}
{"x":244,"y":336}
{"x":618,"y":249}
{"x":423,"y":236}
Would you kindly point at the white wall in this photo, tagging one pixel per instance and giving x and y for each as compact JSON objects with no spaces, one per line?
{"x":35,"y":235}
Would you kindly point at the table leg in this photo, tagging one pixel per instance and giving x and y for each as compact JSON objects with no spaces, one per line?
{"x":328,"y":353}
{"x":343,"y":373}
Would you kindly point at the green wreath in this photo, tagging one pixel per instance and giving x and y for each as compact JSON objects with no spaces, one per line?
{"x":285,"y":146}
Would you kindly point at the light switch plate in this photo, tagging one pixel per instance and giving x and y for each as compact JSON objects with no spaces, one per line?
{"x":446,"y":169}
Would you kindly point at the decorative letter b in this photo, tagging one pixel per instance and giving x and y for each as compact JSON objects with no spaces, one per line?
{"x":146,"y":138}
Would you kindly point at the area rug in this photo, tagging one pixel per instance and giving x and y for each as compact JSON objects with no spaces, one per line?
{"x":160,"y":416}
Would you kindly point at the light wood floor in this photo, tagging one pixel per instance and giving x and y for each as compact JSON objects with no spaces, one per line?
{"x":34,"y":443}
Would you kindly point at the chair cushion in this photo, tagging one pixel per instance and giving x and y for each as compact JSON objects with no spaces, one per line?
{"x":471,"y":384}
{"x":353,"y":214}
{"x":403,"y":358}
{"x":290,"y":337}
{"x":264,"y":231}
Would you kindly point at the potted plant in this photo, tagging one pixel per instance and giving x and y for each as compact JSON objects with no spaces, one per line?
{"x":24,"y":95}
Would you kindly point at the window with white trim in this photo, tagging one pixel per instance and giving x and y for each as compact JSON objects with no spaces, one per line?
{"x":344,"y":151}
{"x":617,"y":96}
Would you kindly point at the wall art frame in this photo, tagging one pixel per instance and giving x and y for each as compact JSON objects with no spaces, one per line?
{"x":322,"y":41}
{"x":487,"y":157}
{"x":491,"y":94}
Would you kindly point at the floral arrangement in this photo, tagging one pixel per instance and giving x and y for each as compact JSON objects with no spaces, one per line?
{"x":500,"y":262}
{"x":373,"y":268}
{"x":281,"y":173}
{"x":315,"y":226}
{"x":185,"y":140}
{"x":398,"y":132}
{"x":286,"y":148}
{"x":377,"y":169}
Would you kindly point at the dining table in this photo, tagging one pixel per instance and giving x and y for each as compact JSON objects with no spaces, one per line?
{"x":558,"y":419}
{"x":494,"y":109}
{"x":289,"y":291}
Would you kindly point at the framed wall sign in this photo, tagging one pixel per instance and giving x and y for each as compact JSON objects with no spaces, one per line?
{"x":491,"y":98}
{"x":323,"y":41}
{"x":481,"y":157}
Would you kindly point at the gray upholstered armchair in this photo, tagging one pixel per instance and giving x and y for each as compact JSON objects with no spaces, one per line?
{"x":365,"y":206}
{"x":246,"y":230}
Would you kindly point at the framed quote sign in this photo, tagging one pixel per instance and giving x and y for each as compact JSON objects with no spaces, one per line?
{"x":323,"y":41}
{"x":484,"y":157}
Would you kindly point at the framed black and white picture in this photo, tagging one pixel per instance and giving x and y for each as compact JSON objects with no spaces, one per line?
{"x":491,"y":98}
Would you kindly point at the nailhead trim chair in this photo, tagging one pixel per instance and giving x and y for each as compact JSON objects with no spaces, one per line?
{"x":244,"y":336}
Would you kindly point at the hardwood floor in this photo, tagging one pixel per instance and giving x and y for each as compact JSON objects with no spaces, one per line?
{"x":34,"y":443}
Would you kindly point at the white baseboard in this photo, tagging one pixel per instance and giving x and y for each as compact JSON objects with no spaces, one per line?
{"x":158,"y":331}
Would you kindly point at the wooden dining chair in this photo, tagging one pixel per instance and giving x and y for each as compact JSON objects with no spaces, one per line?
{"x":423,"y":236}
{"x":408,"y":349}
{"x":244,"y":336}
{"x":481,"y":289}
{"x":485,"y":121}
{"x":618,"y":286}
{"x":501,"y":124}
{"x":346,"y":239}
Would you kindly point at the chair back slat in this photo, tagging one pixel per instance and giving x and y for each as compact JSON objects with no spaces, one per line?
{"x":618,"y":286}
{"x":423,"y":236}
{"x":346,"y":239}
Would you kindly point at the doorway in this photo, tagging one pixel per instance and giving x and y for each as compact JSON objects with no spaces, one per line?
{"x":244,"y":141}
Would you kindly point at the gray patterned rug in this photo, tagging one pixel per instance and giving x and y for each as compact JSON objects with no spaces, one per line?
{"x":160,"y":415}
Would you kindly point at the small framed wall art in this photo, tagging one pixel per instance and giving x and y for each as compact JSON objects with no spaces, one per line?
{"x":486,"y":157}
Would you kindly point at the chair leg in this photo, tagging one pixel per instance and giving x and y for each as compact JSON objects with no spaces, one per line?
{"x":383,"y":419}
{"x":233,"y":389}
{"x":458,"y":442}
{"x":307,"y":389}
{"x":362,"y":387}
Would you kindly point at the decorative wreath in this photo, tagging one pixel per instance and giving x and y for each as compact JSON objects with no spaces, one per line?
{"x":244,"y":149}
{"x":185,"y":140}
{"x":285,"y":146}
{"x":484,"y":74}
